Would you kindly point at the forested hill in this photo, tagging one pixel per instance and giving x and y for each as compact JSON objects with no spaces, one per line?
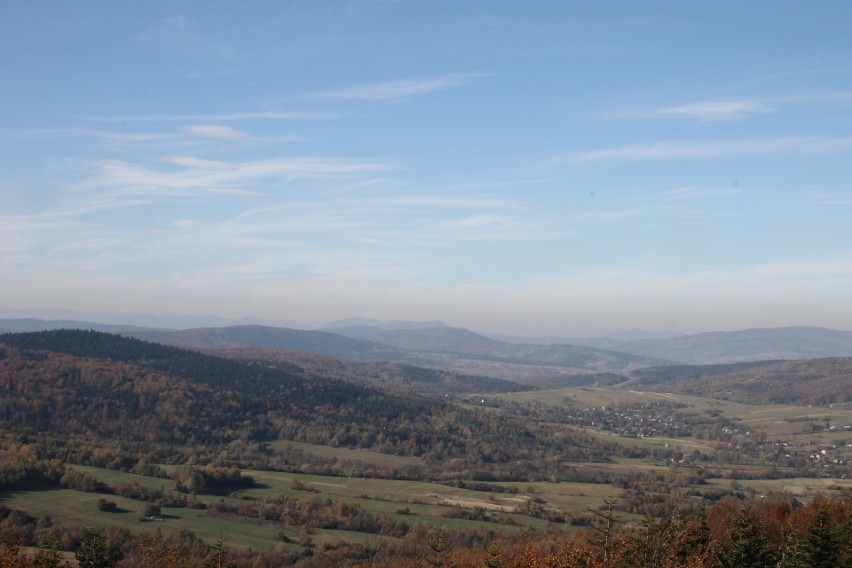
{"x":108,"y":384}
{"x":102,"y":386}
{"x":812,"y":381}
{"x":325,"y":343}
{"x":198,"y":367}
{"x":388,"y":376}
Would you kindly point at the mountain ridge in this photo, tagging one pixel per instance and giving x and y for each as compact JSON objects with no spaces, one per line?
{"x":755,"y":344}
{"x":822,"y":381}
{"x":381,"y":324}
{"x":450,"y":349}
{"x":417,"y":343}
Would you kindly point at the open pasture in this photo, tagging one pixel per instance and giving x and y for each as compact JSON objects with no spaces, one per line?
{"x":412,"y":502}
{"x":347,"y":454}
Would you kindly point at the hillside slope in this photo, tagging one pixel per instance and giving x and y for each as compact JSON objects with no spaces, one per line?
{"x":449,"y":349}
{"x":108,"y":387}
{"x":807,"y":382}
{"x":321,"y":342}
{"x":97,"y":384}
{"x":395,"y":376}
{"x":747,"y":345}
{"x":467,"y":343}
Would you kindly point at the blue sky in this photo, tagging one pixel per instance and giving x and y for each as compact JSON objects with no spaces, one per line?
{"x":573,"y":168}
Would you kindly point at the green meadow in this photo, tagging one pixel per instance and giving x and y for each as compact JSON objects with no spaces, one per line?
{"x":505,"y":507}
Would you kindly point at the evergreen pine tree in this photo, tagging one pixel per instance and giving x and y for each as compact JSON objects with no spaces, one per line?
{"x":94,"y":551}
{"x":749,"y":545}
{"x":792,"y":553}
{"x":822,"y":542}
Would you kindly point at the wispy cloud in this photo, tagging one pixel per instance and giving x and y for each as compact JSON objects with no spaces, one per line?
{"x":106,"y":135}
{"x":718,"y":148}
{"x":494,"y":227}
{"x":390,"y":91}
{"x":216,"y":131}
{"x":191,"y":135}
{"x":133,"y":179}
{"x":200,"y":163}
{"x":18,"y":233}
{"x":92,"y":244}
{"x":223,"y":117}
{"x":234,"y":191}
{"x":391,"y":223}
{"x":713,"y":111}
{"x":443,"y":202}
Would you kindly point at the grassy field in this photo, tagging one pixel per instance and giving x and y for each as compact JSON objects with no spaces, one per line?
{"x":433,"y":504}
{"x":427,"y":502}
{"x":410,"y":501}
{"x":76,"y":507}
{"x":343,"y":454}
{"x":800,"y":487}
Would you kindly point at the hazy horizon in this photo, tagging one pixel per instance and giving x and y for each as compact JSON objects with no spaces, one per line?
{"x":190,"y":321}
{"x":571,"y":169}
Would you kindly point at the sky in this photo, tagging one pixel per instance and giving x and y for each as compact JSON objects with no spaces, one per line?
{"x":539,"y":168}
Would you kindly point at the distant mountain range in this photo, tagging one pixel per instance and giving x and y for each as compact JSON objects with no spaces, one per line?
{"x":446,"y":339}
{"x":611,"y":341}
{"x":451,"y":349}
{"x":98,"y":320}
{"x":23,"y":325}
{"x":437,"y":345}
{"x":257,"y":336}
{"x":761,"y":344}
{"x":463,"y":342}
{"x":382,"y":324}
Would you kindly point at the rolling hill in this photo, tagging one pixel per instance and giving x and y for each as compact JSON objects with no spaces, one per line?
{"x":394,"y":376}
{"x":321,"y":342}
{"x":473,"y":353}
{"x":760,"y":344}
{"x":805,"y":382}
{"x":18,"y":325}
{"x":110,"y":388}
{"x":442,"y":339}
{"x":451,"y":349}
{"x":381,"y":324}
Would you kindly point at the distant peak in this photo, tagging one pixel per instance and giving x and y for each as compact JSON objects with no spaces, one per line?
{"x":387,"y":325}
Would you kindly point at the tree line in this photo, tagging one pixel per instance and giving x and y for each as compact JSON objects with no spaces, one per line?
{"x":730,"y":534}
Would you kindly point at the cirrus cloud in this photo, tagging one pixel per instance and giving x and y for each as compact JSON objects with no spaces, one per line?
{"x":199,"y":163}
{"x":216,"y":131}
{"x":713,"y":111}
{"x":388,"y":91}
{"x":718,"y":148}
